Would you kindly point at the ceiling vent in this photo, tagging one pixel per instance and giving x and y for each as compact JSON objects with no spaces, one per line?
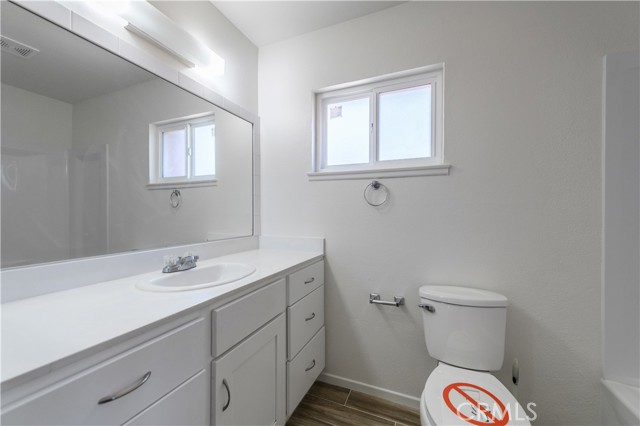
{"x":17,"y":48}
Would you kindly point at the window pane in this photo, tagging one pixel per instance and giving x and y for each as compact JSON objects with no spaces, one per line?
{"x":348,"y":132}
{"x":204,"y":150}
{"x":174,"y":152}
{"x":405,"y":124}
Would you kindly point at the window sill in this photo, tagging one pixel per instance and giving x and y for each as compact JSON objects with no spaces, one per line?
{"x":432,"y":170}
{"x":178,"y":185}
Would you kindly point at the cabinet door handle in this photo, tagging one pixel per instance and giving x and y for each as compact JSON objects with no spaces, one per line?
{"x":313,"y":364}
{"x":226,"y":386}
{"x":310,"y":280}
{"x":126,"y":390}
{"x":313,"y":315}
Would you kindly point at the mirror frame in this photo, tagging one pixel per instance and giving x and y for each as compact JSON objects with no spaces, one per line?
{"x":75,"y":23}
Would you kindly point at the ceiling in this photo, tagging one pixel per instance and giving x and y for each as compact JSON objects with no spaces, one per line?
{"x":265,"y":22}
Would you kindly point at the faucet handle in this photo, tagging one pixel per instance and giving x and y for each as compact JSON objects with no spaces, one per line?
{"x":194,"y":256}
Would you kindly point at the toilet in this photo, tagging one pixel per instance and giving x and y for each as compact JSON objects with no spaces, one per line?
{"x":464,"y":329}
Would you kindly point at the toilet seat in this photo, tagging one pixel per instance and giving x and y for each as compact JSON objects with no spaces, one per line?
{"x":457,"y":396}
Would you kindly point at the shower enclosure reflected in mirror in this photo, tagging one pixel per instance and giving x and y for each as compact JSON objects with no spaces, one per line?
{"x":93,"y":147}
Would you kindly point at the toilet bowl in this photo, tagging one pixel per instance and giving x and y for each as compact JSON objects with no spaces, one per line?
{"x":456,"y":396}
{"x":465,"y":330}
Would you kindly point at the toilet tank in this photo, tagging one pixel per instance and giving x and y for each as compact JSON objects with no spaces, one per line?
{"x":464,"y":326}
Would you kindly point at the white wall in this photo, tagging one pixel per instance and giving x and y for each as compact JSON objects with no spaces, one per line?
{"x":520,"y":213}
{"x":621,"y":251}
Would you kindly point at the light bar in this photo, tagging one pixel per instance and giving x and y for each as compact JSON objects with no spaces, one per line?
{"x":149,"y":23}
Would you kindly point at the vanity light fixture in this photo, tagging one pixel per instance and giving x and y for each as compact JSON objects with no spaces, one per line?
{"x":147,"y":22}
{"x":137,"y":31}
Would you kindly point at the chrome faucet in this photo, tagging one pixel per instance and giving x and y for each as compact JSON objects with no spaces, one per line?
{"x":176,"y":264}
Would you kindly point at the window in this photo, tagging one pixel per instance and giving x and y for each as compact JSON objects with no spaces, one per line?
{"x":388,"y":126}
{"x":182,"y":151}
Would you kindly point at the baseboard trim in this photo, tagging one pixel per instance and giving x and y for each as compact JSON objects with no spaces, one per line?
{"x":400,"y":398}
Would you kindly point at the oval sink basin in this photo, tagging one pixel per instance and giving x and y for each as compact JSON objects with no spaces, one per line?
{"x":198,"y":277}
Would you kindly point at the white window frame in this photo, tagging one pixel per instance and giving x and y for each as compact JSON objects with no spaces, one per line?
{"x":373,"y":88}
{"x":156,"y":180}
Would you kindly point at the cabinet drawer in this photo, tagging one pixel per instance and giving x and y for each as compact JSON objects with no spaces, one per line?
{"x":304,"y":281}
{"x":236,"y":320}
{"x":187,"y":405}
{"x":304,"y":319}
{"x":170,"y":359}
{"x":304,"y":369}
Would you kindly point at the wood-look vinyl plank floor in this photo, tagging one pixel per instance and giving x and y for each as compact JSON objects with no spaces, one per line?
{"x":338,"y":415}
{"x":301,"y":418}
{"x":330,"y":405}
{"x":383,"y":408}
{"x":332,"y":393}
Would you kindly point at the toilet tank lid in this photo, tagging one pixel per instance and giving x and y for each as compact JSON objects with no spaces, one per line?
{"x":464,"y":296}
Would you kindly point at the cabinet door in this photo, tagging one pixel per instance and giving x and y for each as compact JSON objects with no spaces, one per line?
{"x":249,"y":380}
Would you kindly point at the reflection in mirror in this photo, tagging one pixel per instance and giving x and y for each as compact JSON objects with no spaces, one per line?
{"x":85,"y":168}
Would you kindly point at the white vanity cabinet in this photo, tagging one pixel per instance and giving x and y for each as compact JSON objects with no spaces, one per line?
{"x":246,"y":356}
{"x":305,"y":331}
{"x":253,"y":334}
{"x":118,"y":389}
{"x":249,"y":369}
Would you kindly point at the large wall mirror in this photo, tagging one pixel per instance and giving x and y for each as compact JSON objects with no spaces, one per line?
{"x":94,"y":149}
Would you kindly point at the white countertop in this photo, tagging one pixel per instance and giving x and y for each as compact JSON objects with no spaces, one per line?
{"x":42,"y":333}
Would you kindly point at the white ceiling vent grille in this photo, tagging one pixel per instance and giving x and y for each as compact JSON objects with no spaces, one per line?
{"x":17,"y":48}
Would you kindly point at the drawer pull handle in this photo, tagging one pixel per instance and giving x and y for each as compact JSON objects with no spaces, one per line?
{"x":313,"y":315}
{"x":313,"y":364}
{"x":127,"y":390}
{"x":310,"y":280}
{"x":226,"y":386}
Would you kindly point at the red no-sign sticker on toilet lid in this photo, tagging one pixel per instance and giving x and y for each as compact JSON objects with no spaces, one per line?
{"x":475,"y":404}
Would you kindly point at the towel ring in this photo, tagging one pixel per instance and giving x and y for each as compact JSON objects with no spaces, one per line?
{"x":375,"y":186}
{"x":175,"y":199}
